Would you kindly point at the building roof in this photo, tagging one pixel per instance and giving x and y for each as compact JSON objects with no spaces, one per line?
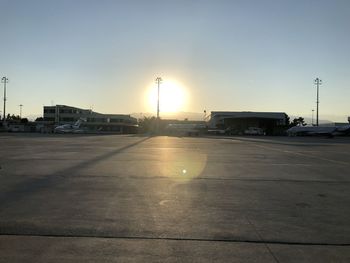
{"x":91,"y":112}
{"x":248,"y":114}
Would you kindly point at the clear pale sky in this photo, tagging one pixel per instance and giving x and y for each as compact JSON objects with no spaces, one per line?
{"x":230,"y":55}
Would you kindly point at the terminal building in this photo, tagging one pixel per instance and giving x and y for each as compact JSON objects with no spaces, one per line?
{"x":272,"y":123}
{"x":93,"y":121}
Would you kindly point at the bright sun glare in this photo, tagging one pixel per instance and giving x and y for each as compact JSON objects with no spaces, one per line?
{"x":172,"y":96}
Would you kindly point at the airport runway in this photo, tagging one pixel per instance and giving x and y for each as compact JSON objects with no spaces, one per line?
{"x":113,"y":198}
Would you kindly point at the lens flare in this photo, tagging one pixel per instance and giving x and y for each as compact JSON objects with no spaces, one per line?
{"x":182,"y":167}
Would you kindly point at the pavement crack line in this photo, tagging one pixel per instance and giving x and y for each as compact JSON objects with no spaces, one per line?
{"x":133,"y":177}
{"x":262,"y":239}
{"x":271,"y":242}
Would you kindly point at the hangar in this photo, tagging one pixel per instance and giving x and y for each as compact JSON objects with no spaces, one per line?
{"x":272,"y":123}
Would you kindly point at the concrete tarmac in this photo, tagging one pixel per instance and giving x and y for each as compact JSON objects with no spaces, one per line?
{"x":115,"y":198}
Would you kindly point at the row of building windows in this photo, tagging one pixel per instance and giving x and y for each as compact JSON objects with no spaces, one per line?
{"x":49,"y":111}
{"x":69,"y":111}
{"x":120,"y":120}
{"x":108,"y":120}
{"x":70,"y":119}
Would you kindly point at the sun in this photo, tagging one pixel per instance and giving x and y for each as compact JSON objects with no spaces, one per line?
{"x":172,"y":96}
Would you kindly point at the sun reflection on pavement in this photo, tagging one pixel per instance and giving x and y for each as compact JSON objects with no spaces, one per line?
{"x":182,"y":167}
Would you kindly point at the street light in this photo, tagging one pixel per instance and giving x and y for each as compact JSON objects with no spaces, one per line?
{"x":158,"y":81}
{"x":312,"y":119}
{"x":317,"y":82}
{"x":20,"y":110}
{"x":4,"y":80}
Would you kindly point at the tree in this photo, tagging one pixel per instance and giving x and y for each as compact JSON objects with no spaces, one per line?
{"x":287,"y":120}
{"x":24,"y":120}
{"x":298,"y":122}
{"x":147,"y":124}
{"x":13,"y":118}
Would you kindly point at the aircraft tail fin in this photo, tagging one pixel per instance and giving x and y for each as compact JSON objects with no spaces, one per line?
{"x":79,"y":122}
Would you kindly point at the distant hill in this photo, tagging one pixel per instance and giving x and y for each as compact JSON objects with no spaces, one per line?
{"x":196,"y":116}
{"x":32,"y":117}
{"x":172,"y":115}
{"x":309,"y":120}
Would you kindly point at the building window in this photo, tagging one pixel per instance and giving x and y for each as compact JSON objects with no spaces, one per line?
{"x":116,"y":120}
{"x":49,"y":111}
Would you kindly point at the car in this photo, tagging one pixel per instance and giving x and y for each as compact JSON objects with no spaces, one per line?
{"x":254,"y":131}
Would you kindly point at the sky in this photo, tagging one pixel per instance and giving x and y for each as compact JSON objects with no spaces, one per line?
{"x":228,"y":55}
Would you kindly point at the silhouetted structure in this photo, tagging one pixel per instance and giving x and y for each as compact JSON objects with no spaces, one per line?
{"x":4,"y":80}
{"x":317,"y":82}
{"x":94,"y":121}
{"x":237,"y":122}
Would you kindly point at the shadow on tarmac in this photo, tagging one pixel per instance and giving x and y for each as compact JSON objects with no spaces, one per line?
{"x":33,"y":185}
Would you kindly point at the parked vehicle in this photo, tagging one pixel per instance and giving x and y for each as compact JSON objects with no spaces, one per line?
{"x":254,"y":131}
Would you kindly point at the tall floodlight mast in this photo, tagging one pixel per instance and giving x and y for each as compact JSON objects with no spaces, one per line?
{"x":20,"y":110}
{"x":158,"y":81}
{"x":317,"y":82}
{"x":4,"y":80}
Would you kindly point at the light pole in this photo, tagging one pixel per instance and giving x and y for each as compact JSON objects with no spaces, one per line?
{"x":158,"y":81}
{"x":317,"y":82}
{"x":20,"y":110}
{"x":4,"y":80}
{"x":312,"y":119}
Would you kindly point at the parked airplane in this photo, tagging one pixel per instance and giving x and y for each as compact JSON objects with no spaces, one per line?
{"x":70,"y":128}
{"x":319,"y":130}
